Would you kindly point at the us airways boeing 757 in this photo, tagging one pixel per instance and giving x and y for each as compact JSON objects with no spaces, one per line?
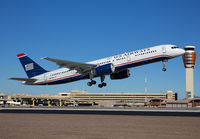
{"x":117,"y":67}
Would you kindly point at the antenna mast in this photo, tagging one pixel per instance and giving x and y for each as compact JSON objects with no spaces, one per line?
{"x":145,"y":86}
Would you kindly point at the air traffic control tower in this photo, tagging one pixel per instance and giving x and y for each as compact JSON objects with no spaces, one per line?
{"x":189,"y":59}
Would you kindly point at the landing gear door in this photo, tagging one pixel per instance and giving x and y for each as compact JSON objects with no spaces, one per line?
{"x":164,"y":50}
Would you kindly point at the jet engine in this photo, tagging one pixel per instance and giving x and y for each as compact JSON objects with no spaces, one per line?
{"x":120,"y":75}
{"x":105,"y":69}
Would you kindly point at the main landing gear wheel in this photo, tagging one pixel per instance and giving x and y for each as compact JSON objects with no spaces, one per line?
{"x":102,"y":82}
{"x":91,"y":83}
{"x":91,"y":76}
{"x":102,"y":85}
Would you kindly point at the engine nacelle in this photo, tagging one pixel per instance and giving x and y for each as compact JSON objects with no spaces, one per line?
{"x":120,"y":75}
{"x":105,"y":69}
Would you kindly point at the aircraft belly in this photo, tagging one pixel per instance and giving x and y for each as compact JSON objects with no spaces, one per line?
{"x":66,"y":80}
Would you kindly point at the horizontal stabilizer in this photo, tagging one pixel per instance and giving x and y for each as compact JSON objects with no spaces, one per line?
{"x":23,"y":79}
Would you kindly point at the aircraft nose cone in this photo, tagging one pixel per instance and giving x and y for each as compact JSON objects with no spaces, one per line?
{"x":182,"y":51}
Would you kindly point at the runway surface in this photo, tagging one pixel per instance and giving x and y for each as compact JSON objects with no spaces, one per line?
{"x":85,"y":123}
{"x":103,"y":111}
{"x":94,"y":126}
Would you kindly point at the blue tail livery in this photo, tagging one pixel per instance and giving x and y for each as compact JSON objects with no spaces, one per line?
{"x":30,"y":67}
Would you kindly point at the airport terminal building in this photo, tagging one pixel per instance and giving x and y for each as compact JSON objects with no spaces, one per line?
{"x":115,"y":99}
{"x":83,"y":98}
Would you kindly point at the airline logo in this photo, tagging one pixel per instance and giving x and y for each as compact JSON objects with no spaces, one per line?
{"x":29,"y":67}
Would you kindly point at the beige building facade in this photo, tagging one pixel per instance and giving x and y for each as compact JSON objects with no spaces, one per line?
{"x":78,"y":98}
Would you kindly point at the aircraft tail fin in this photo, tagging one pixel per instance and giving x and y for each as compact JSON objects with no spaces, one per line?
{"x":30,"y":67}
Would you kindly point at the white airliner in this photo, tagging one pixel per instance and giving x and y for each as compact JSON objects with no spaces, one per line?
{"x":115,"y":66}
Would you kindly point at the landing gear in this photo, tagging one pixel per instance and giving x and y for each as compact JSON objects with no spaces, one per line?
{"x":93,"y":82}
{"x":102,"y":82}
{"x":164,"y":69}
{"x":89,"y":84}
{"x":102,"y":85}
{"x":164,"y":64}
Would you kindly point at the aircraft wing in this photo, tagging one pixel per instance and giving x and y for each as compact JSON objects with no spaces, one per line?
{"x":82,"y":68}
{"x":23,"y":79}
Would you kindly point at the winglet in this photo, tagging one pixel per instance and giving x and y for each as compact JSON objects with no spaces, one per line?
{"x":21,"y":55}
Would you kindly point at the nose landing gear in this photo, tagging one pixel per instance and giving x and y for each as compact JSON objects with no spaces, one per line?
{"x":164,"y":69}
{"x":164,"y":64}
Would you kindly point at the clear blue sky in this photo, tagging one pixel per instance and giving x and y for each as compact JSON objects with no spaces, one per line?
{"x":85,"y":30}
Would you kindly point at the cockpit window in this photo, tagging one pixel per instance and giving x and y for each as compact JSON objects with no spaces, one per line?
{"x":174,"y":47}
